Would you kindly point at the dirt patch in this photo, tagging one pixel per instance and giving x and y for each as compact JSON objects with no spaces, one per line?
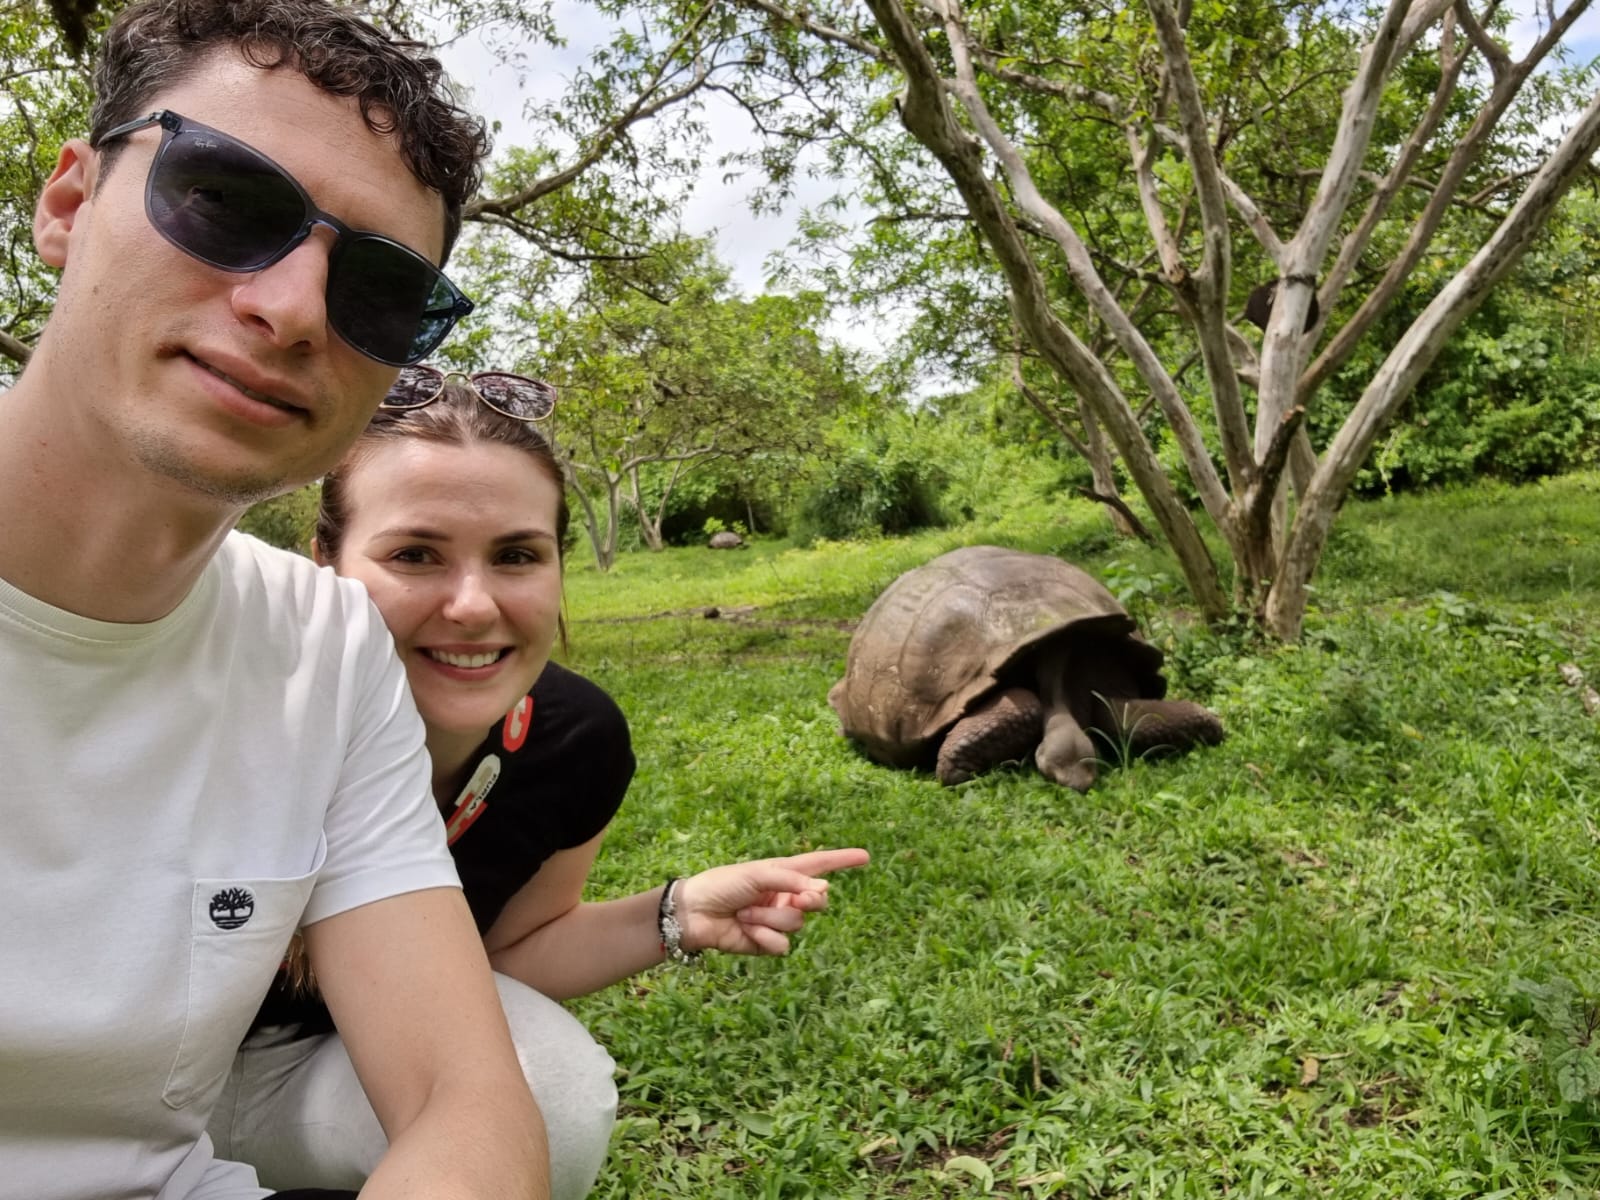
{"x":740,"y":614}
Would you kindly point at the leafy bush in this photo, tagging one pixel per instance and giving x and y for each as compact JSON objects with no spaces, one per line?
{"x":867,"y":493}
{"x":286,"y":521}
{"x":1503,"y":404}
{"x":1513,"y":395}
{"x":1568,"y":1021}
{"x":744,"y":494}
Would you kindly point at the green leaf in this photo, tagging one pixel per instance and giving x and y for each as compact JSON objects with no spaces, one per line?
{"x":975,"y":1167}
{"x":759,"y":1124}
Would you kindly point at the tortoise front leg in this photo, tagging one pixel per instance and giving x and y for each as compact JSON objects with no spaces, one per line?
{"x":1005,"y":728}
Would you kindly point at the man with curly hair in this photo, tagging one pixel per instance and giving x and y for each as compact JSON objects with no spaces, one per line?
{"x":207,"y":744}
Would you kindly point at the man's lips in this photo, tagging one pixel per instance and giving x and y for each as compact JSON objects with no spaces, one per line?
{"x":261,"y":391}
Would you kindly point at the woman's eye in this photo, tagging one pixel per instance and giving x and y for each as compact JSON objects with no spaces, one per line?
{"x":521,"y":556}
{"x":410,"y":554}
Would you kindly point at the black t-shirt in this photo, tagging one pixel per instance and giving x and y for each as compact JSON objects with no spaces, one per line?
{"x":547,"y":778}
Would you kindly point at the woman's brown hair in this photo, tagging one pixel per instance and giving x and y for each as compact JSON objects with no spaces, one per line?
{"x":456,"y":418}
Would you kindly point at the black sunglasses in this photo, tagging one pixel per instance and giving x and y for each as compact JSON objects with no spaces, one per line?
{"x":514,"y":396}
{"x":232,"y":207}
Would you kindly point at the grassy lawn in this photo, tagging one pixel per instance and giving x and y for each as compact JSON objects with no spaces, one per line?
{"x":1314,"y":961}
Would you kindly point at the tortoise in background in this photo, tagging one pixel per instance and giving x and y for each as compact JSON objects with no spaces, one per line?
{"x":986,"y":654}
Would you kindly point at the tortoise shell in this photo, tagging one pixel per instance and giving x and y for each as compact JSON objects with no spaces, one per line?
{"x":945,"y":634}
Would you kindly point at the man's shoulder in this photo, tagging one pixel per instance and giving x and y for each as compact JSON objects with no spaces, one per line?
{"x":293,"y":607}
{"x":266,"y":575}
{"x":242,"y":552}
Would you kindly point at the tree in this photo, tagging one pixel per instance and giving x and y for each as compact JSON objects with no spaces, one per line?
{"x":44,"y":100}
{"x":1329,"y":150}
{"x":628,"y":125}
{"x":663,"y":369}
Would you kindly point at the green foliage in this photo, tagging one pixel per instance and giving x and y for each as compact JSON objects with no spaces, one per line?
{"x":1500,"y":404}
{"x":1284,"y":966}
{"x":1568,"y":1022}
{"x":665,"y":370}
{"x":881,"y":485}
{"x":44,"y":101}
{"x":288,"y":521}
{"x":1515,"y":395}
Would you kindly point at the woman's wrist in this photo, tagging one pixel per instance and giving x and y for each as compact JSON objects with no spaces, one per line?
{"x":670,"y":927}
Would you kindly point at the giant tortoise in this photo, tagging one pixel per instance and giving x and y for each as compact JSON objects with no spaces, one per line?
{"x":985,"y":654}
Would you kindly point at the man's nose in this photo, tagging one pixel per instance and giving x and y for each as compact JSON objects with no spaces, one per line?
{"x":287,"y":302}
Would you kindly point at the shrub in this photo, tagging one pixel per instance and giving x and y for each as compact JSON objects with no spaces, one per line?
{"x":866,"y":493}
{"x":286,"y":521}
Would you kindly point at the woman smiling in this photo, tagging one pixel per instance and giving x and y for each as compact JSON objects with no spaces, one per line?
{"x":451,"y":510}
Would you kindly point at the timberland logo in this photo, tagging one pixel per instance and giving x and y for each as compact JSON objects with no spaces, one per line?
{"x":232,"y":907}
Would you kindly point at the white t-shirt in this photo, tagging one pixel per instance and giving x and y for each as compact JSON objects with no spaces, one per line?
{"x":177,"y":798}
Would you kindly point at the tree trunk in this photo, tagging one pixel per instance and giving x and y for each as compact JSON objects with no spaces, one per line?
{"x":1102,"y":468}
{"x":606,"y":553}
{"x":649,"y":526}
{"x":591,"y":519}
{"x":1406,"y":363}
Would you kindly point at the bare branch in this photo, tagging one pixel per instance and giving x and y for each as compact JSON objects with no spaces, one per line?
{"x":1484,"y":194}
{"x":1216,"y":263}
{"x":646,"y":104}
{"x":945,"y":216}
{"x":1350,"y":143}
{"x":1355,"y":244}
{"x":533,"y":234}
{"x":1274,"y":461}
{"x":1254,"y":219}
{"x":1466,"y":151}
{"x":1119,"y":505}
{"x":639,"y":460}
{"x":1144,"y":359}
{"x":1284,"y":345}
{"x":1043,"y":85}
{"x":14,"y":348}
{"x":1420,"y":21}
{"x":1143,"y":155}
{"x":1216,"y":253}
{"x":1046,"y":411}
{"x":1499,"y":60}
{"x":801,"y":19}
{"x":1244,"y":357}
{"x":1412,"y":355}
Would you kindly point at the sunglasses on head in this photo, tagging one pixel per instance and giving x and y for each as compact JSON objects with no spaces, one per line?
{"x":232,"y":207}
{"x":514,"y":396}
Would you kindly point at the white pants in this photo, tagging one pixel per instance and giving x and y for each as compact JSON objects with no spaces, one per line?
{"x":294,"y":1109}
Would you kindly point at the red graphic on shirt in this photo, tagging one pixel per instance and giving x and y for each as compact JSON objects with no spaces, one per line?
{"x":474,"y":798}
{"x":471,"y":809}
{"x":518,"y":721}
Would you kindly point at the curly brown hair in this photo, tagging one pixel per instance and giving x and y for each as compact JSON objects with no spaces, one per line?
{"x":403,"y":92}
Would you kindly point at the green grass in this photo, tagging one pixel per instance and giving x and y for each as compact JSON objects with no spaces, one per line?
{"x":1034,"y":993}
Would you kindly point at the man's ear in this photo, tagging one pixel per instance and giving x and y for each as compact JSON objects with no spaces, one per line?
{"x":64,"y":195}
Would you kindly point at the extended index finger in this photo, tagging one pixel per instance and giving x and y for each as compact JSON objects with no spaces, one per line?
{"x":820,"y":862}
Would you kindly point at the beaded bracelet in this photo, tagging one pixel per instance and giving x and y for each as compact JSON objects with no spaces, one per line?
{"x":671,"y":931}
